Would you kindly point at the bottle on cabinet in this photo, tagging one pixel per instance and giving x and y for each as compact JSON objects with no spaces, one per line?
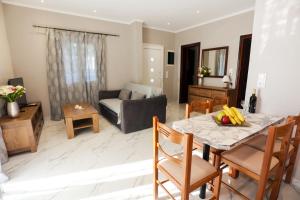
{"x":252,"y":102}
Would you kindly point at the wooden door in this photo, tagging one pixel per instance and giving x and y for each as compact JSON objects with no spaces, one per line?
{"x":189,"y":69}
{"x":243,"y":66}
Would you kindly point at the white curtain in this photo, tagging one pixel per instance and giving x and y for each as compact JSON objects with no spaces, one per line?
{"x":76,"y":68}
{"x":220,"y":62}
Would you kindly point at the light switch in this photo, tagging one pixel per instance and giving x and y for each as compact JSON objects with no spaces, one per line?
{"x":261,"y":81}
{"x":230,"y":72}
{"x":167,"y":74}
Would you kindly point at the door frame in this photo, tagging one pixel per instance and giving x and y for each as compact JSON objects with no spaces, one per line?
{"x":239,"y":67}
{"x":157,"y":47}
{"x":196,"y":44}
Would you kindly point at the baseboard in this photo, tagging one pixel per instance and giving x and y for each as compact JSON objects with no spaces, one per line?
{"x":296,"y":184}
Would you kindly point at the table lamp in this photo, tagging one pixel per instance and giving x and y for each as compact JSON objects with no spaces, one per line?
{"x":226,"y":80}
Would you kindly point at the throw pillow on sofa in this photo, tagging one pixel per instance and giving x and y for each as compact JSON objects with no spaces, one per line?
{"x":125,"y":94}
{"x":137,"y":96}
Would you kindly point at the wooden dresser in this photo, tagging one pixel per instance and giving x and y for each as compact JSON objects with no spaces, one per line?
{"x":22,"y":134}
{"x":198,"y":92}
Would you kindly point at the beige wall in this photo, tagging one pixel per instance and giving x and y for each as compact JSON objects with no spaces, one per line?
{"x":28,"y":48}
{"x":6,"y":70}
{"x":225,"y":32}
{"x":167,"y":40}
{"x":275,"y":51}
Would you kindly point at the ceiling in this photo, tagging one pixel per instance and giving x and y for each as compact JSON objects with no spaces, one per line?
{"x":170,"y":15}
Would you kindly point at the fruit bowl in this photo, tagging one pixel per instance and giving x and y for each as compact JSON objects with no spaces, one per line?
{"x":230,"y":117}
{"x":244,"y":124}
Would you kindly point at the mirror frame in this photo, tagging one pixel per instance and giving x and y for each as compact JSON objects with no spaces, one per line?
{"x":226,"y":59}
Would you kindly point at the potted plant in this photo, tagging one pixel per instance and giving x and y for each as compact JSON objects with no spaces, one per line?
{"x":203,"y":72}
{"x":10,"y":94}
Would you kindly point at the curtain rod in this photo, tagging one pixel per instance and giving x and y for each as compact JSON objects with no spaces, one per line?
{"x":73,"y":30}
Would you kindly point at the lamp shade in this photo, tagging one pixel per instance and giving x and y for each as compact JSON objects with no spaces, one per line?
{"x":226,"y":79}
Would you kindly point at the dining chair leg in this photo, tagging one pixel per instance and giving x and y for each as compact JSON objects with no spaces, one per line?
{"x":184,"y":195}
{"x":217,"y":161}
{"x":261,"y":189}
{"x":217,"y":185}
{"x":155,"y":185}
{"x":290,"y":169}
{"x":276,"y":188}
{"x":233,"y":173}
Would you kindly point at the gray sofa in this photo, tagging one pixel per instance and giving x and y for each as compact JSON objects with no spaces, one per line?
{"x":133,"y":115}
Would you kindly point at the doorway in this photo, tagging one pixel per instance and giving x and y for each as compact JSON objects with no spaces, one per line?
{"x":243,"y":67}
{"x":153,"y":69}
{"x":189,"y":69}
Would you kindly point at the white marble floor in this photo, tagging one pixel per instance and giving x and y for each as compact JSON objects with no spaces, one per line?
{"x":107,"y":165}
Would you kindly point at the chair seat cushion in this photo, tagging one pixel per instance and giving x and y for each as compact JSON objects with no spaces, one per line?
{"x":113,"y":104}
{"x":248,"y":157}
{"x":259,"y":142}
{"x":200,"y":169}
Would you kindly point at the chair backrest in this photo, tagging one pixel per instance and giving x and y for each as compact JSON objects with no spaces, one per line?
{"x":186,"y":140}
{"x":284,"y":133}
{"x":295,"y":138}
{"x":218,"y":101}
{"x":197,"y":106}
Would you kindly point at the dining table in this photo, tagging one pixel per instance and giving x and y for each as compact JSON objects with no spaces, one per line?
{"x":210,"y":134}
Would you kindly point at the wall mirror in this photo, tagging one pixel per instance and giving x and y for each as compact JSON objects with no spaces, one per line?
{"x":216,"y":60}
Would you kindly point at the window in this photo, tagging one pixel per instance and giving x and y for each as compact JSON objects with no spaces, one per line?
{"x":80,"y":62}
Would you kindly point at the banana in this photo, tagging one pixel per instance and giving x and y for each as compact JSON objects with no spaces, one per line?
{"x":232,"y":120}
{"x":238,"y":114}
{"x":231,"y":113}
{"x":226,"y":112}
{"x":237,"y":120}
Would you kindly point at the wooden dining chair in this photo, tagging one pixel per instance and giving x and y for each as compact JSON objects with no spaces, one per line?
{"x":259,"y":142}
{"x":217,"y":103}
{"x":186,"y":171}
{"x":261,"y":165}
{"x":203,"y":107}
{"x":199,"y":106}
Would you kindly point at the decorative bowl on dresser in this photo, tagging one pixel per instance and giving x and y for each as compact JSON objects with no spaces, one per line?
{"x":198,"y":92}
{"x":22,"y":134}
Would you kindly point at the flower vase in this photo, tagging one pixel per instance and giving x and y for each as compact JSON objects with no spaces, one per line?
{"x":201,"y":81}
{"x":13,"y":109}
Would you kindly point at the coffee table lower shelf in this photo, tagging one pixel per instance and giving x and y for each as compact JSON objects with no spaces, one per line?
{"x":82,"y":123}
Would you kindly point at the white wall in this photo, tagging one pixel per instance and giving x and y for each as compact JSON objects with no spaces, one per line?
{"x":225,"y":32}
{"x":28,"y":48}
{"x":276,"y":51}
{"x":6,"y":70}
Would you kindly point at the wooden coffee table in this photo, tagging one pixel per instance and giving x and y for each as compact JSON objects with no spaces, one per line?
{"x":79,"y":119}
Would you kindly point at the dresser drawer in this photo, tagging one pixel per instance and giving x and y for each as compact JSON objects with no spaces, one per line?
{"x":217,"y":93}
{"x":198,"y":98}
{"x":200,"y":92}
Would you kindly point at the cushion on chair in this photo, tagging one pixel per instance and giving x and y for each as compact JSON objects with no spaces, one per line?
{"x":259,"y":142}
{"x":148,"y":91}
{"x":249,"y":158}
{"x":199,"y":170}
{"x":143,"y":89}
{"x":113,"y":104}
{"x":137,"y":96}
{"x":124,"y":94}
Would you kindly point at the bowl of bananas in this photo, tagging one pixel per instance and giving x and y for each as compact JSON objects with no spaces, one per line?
{"x":230,"y":117}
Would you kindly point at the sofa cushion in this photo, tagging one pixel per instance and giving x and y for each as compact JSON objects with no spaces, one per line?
{"x":143,"y":89}
{"x":124,"y":94}
{"x":137,"y":95}
{"x":113,"y":104}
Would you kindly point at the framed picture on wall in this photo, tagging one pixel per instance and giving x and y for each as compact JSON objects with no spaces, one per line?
{"x":171,"y":57}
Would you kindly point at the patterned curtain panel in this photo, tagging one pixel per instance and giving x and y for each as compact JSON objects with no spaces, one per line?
{"x":76,"y":69}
